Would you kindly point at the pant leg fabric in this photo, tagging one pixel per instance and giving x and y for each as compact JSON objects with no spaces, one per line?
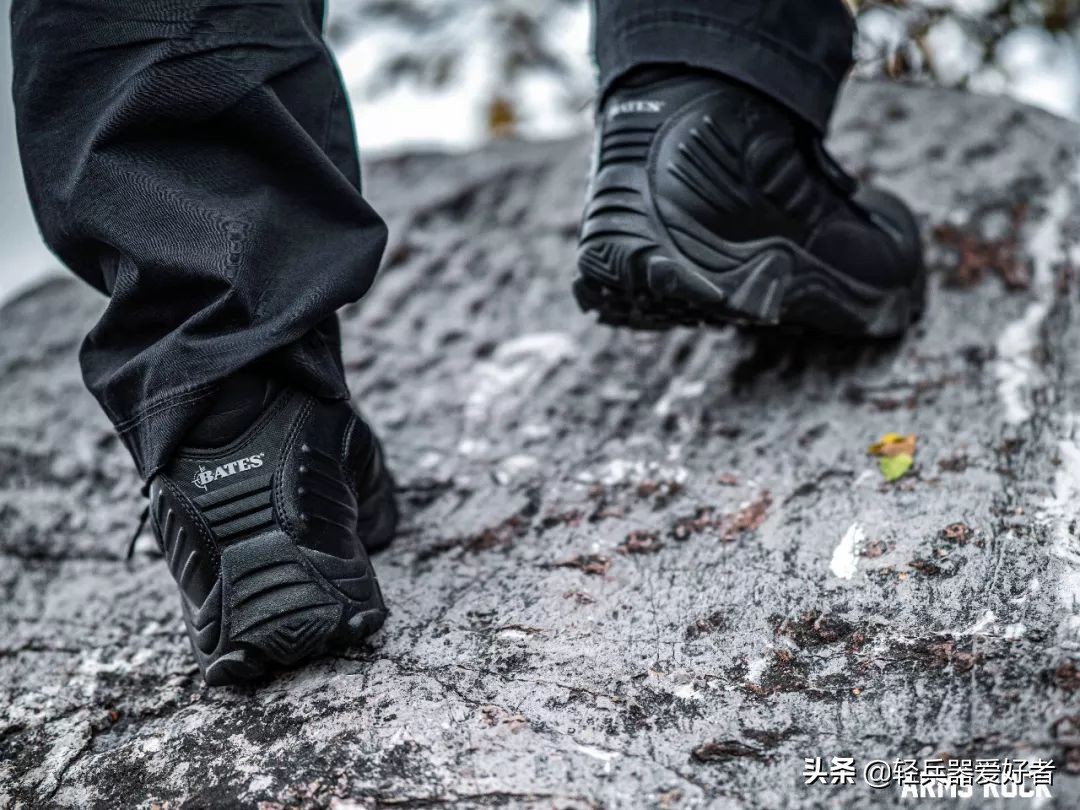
{"x":194,"y":160}
{"x":797,"y":51}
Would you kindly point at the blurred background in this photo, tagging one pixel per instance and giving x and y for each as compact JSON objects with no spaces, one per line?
{"x":451,"y":74}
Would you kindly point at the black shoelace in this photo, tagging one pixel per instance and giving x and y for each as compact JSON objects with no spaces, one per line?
{"x":138,"y":531}
{"x":145,"y":516}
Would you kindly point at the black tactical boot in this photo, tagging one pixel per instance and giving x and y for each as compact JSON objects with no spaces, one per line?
{"x":711,"y":203}
{"x":266,"y":535}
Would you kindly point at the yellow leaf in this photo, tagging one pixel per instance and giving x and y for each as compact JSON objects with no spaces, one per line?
{"x":501,"y":118}
{"x":893,"y":444}
{"x":895,"y":467}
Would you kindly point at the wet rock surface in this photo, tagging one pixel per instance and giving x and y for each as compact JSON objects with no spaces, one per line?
{"x":635,"y":570}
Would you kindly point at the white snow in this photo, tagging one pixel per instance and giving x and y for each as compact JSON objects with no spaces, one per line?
{"x":1018,"y":377}
{"x":1016,"y":368}
{"x":982,"y":627}
{"x":515,"y":367}
{"x":678,"y":389}
{"x":513,"y":467}
{"x":621,"y":470}
{"x":1014,"y":632}
{"x":845,"y":558}
{"x":601,"y":754}
{"x":756,"y":668}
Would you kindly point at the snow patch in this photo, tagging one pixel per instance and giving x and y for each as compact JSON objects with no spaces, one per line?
{"x":687,"y":691}
{"x":1017,"y":371}
{"x":515,"y":369}
{"x":514,"y":467}
{"x":982,"y":627}
{"x":756,"y":668}
{"x":845,"y":559}
{"x":1014,"y":632}
{"x":622,"y":471}
{"x":678,"y":389}
{"x":601,"y":754}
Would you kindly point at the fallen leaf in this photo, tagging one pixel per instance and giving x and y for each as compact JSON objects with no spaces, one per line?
{"x":926,"y":567}
{"x":895,"y":467}
{"x":571,"y":518}
{"x":893,"y":444}
{"x":958,"y":532}
{"x":497,"y":716}
{"x":686,"y":526}
{"x":975,"y":256}
{"x":501,"y":118}
{"x":593,"y":564}
{"x":896,"y":454}
{"x":1067,"y":676}
{"x":747,"y":519}
{"x":580,"y":597}
{"x":641,"y":543}
{"x":873,"y":550}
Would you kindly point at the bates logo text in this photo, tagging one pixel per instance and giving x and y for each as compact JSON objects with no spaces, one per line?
{"x":643,"y":107}
{"x":206,"y":476}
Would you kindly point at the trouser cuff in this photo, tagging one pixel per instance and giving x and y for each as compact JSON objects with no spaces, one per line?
{"x":806,"y":86}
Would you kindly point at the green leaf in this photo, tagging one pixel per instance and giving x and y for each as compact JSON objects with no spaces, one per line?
{"x":895,"y":467}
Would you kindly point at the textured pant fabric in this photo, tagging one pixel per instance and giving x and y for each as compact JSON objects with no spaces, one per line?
{"x":797,"y":51}
{"x":195,"y":161}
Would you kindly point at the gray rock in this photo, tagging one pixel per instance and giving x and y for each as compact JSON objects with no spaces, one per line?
{"x":653,"y":570}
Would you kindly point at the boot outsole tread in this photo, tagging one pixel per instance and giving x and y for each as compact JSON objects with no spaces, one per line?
{"x":644,"y":289}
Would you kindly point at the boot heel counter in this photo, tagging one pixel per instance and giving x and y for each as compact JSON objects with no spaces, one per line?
{"x":615,"y":230}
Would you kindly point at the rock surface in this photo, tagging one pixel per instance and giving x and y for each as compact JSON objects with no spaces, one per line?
{"x":653,"y":570}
